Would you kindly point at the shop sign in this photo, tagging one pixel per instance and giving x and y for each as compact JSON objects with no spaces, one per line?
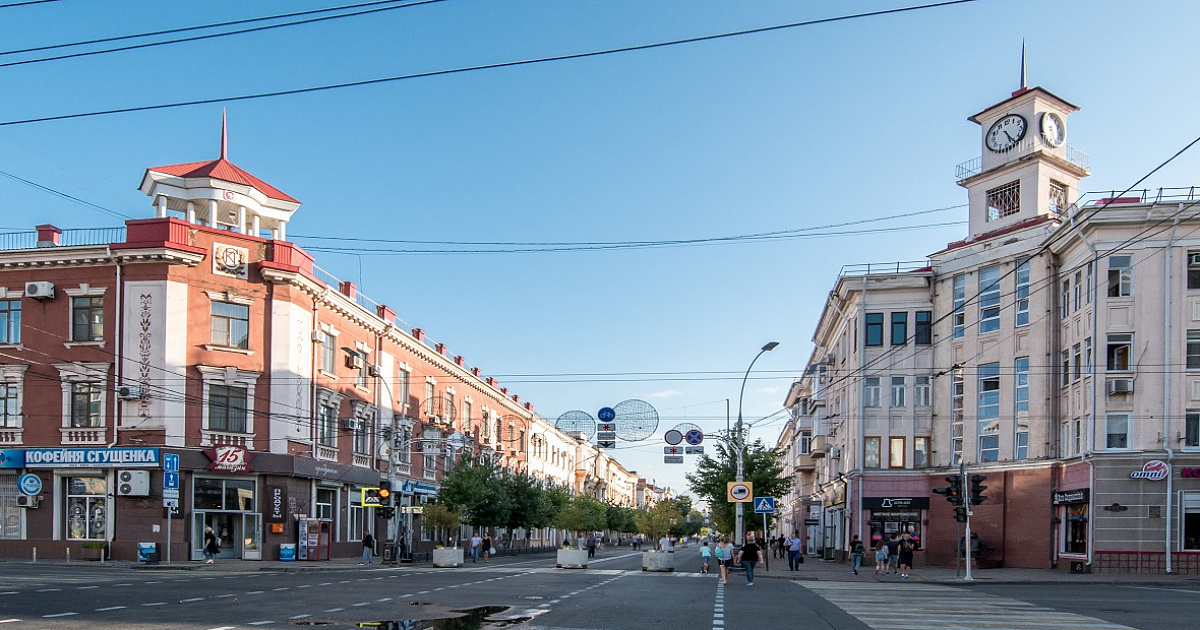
{"x":229,"y":459}
{"x":276,"y":504}
{"x":91,"y":457}
{"x":899,"y":503}
{"x":1154,"y":470}
{"x":896,"y":515}
{"x":12,"y":458}
{"x":1064,"y":497}
{"x":415,"y":487}
{"x":1190,"y":473}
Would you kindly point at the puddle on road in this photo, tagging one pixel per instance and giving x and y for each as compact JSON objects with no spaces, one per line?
{"x":468,"y":619}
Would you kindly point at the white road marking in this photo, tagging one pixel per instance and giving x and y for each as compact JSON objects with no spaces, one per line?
{"x":334,"y":610}
{"x":254,"y":592}
{"x":191,"y":599}
{"x":66,"y":614}
{"x":8,"y":620}
{"x":84,"y":588}
{"x":299,"y":617}
{"x":260,"y":623}
{"x":109,"y":608}
{"x":156,"y":604}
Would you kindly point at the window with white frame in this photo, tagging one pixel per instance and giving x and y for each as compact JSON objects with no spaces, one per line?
{"x":1064,"y":299}
{"x":1076,"y":362}
{"x":1193,"y":350}
{"x":1021,"y":386}
{"x":1088,"y":357}
{"x":86,"y":508}
{"x":960,"y":306}
{"x":989,"y":299}
{"x":1120,"y":276}
{"x":430,"y":402}
{"x":1193,"y":270}
{"x":355,"y":521}
{"x":83,"y":387}
{"x":898,"y":390}
{"x":87,"y":318}
{"x":957,"y":397}
{"x":1120,"y":351}
{"x":804,"y":442}
{"x":1116,"y":432}
{"x":403,"y":383}
{"x":227,"y":406}
{"x":228,"y":402}
{"x":1058,"y":197}
{"x":328,"y":404}
{"x":921,"y":452}
{"x":989,"y":448}
{"x":1191,"y":430}
{"x":1004,"y":201}
{"x":328,"y":352}
{"x":230,"y":325}
{"x":10,"y":321}
{"x":988,"y":407}
{"x":921,"y":391}
{"x":1089,"y":281}
{"x":1065,"y":359}
{"x":364,"y":418}
{"x":1022,"y":444}
{"x":897,"y":448}
{"x":1078,"y":301}
{"x":325,"y":500}
{"x":12,"y":379}
{"x":871,"y":452}
{"x":1022,"y":292}
{"x":871,"y":391}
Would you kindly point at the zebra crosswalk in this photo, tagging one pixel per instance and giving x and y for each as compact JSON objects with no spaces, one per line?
{"x":914,"y":606}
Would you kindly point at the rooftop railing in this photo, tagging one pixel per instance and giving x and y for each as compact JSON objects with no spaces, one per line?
{"x":867,"y":269}
{"x":82,"y":237}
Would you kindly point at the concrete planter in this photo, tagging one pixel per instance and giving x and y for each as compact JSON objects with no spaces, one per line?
{"x":448,"y":557}
{"x":571,"y":558}
{"x":658,"y":561}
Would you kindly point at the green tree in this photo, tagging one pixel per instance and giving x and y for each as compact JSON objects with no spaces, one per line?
{"x":661,"y":519}
{"x":527,"y":503}
{"x":713,"y":474}
{"x":620,"y":519}
{"x":475,"y":486}
{"x":440,"y":518}
{"x":582,"y":514}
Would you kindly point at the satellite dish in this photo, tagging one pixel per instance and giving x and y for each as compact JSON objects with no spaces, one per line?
{"x":576,"y":422}
{"x":636,"y":420}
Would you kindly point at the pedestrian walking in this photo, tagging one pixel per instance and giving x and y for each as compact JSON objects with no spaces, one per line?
{"x":881,"y":557}
{"x":748,"y":556}
{"x":893,"y":546}
{"x":476,"y":543}
{"x":857,"y":550}
{"x":781,"y":546}
{"x":906,"y":555}
{"x":705,"y":557}
{"x":725,"y":553}
{"x":211,"y":546}
{"x":368,"y":547}
{"x":486,"y":547}
{"x":795,"y":557}
{"x":664,"y":544}
{"x":592,"y":543}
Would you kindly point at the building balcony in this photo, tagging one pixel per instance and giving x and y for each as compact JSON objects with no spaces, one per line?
{"x":91,"y":436}
{"x":363,"y":460}
{"x":806,"y":461}
{"x":226,"y":438}
{"x":327,"y":453}
{"x":10,"y":437}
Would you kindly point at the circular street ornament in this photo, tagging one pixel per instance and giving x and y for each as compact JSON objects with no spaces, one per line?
{"x":673,"y":437}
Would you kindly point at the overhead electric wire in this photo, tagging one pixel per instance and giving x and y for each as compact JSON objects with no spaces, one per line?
{"x":488,"y":66}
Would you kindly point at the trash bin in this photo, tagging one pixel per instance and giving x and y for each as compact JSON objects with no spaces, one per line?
{"x":287,"y":552}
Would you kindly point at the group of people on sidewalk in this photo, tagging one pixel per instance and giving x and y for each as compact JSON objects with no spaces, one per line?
{"x":892,"y":555}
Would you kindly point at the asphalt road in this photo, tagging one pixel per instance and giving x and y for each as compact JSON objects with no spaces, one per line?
{"x":611,"y":594}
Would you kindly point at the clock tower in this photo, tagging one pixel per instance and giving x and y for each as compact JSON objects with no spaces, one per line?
{"x":1026,"y":169}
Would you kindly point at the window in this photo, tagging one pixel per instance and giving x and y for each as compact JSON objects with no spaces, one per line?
{"x":227,"y":408}
{"x":1193,"y":270}
{"x":871,"y":452}
{"x":10,"y":414}
{"x":1193,"y":350}
{"x":1078,"y":291}
{"x":86,"y":400}
{"x":87,"y":508}
{"x":899,"y":329}
{"x":327,"y":425}
{"x":1088,"y":358}
{"x":1021,"y":386}
{"x":988,"y":409}
{"x":10,"y":512}
{"x":10,"y":321}
{"x":87,"y":318}
{"x":403,"y":378}
{"x":874,"y":336}
{"x":1191,"y":430}
{"x":1075,"y":528}
{"x":1120,"y":276}
{"x":896,"y":450}
{"x":227,"y":495}
{"x":328,"y":352}
{"x":1064,"y":300}
{"x":1004,"y":201}
{"x":923,"y":335}
{"x":1090,"y":280}
{"x":956,"y":412}
{"x":920,"y":452}
{"x":871,"y":391}
{"x":1058,"y":197}
{"x":230,"y":325}
{"x":804,"y":442}
{"x":1022,"y":445}
{"x":960,"y":306}
{"x":1191,"y":521}
{"x":361,"y":372}
{"x":324,"y":503}
{"x":1065,"y":359}
{"x":1022,"y":294}
{"x":1120,"y":349}
{"x":921,"y":391}
{"x":354,"y":519}
{"x":429,"y":400}
{"x":897,"y":391}
{"x":362,"y":437}
{"x":1116,"y":432}
{"x":989,"y":299}
{"x":989,"y":448}
{"x":1077,"y":362}
{"x":465,"y":421}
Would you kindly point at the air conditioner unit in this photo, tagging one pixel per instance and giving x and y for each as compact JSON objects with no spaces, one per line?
{"x":350,"y":424}
{"x":317,"y":335}
{"x":129,"y":392}
{"x":133,"y":483}
{"x":39,"y":290}
{"x":835,"y":453}
{"x":28,"y":501}
{"x":355,"y":361}
{"x":1120,"y":386}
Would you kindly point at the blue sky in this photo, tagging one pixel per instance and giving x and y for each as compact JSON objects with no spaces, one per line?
{"x":785,"y":130}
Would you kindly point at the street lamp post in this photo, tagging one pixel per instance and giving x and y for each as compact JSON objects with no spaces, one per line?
{"x":393,"y":534}
{"x":739,"y":530}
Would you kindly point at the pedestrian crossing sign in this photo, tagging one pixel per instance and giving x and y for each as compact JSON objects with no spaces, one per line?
{"x":764,"y":505}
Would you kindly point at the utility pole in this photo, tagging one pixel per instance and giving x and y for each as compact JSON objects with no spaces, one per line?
{"x":966,"y":497}
{"x":740,"y":529}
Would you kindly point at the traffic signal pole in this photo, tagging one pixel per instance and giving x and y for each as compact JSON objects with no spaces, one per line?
{"x":966,"y":497}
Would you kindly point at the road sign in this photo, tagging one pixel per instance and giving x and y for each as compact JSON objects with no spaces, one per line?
{"x":812,"y":521}
{"x":170,"y":462}
{"x":740,"y":491}
{"x":764,"y":505}
{"x":607,"y":414}
{"x":693,"y":450}
{"x":170,"y":493}
{"x":606,"y":426}
{"x":606,"y":435}
{"x":29,"y":484}
{"x":672,"y":459}
{"x":606,"y":444}
{"x":371,"y":497}
{"x":694,"y":437}
{"x":171,"y":503}
{"x":171,"y":480}
{"x":673,"y":450}
{"x":673,"y":437}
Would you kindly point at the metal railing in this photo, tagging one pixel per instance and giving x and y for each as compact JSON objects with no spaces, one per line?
{"x":867,"y":269}
{"x":974,"y":166}
{"x":81,"y":237}
{"x":1141,"y":195}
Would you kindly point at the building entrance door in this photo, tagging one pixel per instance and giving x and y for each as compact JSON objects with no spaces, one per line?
{"x":228,"y":528}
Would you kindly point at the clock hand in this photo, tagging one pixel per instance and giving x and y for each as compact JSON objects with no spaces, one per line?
{"x":1010,"y":138}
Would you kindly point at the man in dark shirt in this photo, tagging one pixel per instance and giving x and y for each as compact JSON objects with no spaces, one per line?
{"x":893,"y":546}
{"x":748,"y":556}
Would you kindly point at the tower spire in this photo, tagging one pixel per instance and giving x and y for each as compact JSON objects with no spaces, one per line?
{"x":224,"y":137}
{"x":1024,"y":78}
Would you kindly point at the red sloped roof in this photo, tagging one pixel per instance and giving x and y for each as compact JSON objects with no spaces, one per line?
{"x":224,"y":170}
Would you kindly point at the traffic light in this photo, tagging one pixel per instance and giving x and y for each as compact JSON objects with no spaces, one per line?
{"x":385,"y":492}
{"x":977,"y":489}
{"x":960,"y":514}
{"x":387,"y":512}
{"x":371,"y":498}
{"x":953,"y":492}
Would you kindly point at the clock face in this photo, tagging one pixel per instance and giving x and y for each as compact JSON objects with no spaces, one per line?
{"x":1006,"y":133}
{"x":1054,"y":131}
